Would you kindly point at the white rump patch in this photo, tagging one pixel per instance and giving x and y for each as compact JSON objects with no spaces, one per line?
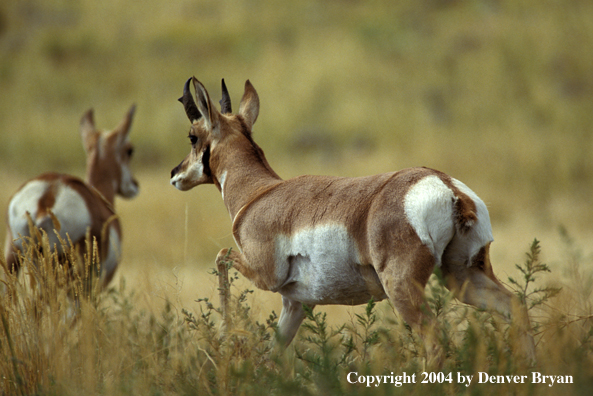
{"x":69,"y":208}
{"x":429,"y":208}
{"x":480,"y":233}
{"x":72,"y":212}
{"x":25,"y":200}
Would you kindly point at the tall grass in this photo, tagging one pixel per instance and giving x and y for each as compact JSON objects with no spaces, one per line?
{"x":496,"y":93}
{"x":112,"y":347}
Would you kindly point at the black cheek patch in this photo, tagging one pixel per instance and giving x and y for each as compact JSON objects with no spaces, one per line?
{"x":206,"y":161}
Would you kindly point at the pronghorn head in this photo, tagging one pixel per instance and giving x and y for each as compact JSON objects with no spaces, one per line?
{"x":209,"y":129}
{"x":108,"y":156}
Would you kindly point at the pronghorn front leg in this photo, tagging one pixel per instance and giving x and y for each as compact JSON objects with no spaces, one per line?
{"x":226,"y":259}
{"x":223,"y":264}
{"x":292,"y":314}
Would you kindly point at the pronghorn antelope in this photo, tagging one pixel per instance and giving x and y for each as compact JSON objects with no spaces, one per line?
{"x":334,"y":240}
{"x":64,"y":206}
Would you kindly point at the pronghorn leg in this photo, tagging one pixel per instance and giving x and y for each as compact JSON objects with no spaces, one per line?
{"x":12,"y":263}
{"x":239,"y":263}
{"x":9,"y":263}
{"x":478,"y":286}
{"x":404,"y":280}
{"x":291,"y":317}
{"x":236,"y":257}
{"x":292,"y":314}
{"x":222,"y":260}
{"x":224,"y":257}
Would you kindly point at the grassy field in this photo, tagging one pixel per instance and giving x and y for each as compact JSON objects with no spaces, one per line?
{"x":497,"y":93}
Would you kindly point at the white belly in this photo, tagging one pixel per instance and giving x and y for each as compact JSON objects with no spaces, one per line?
{"x":324,"y":267}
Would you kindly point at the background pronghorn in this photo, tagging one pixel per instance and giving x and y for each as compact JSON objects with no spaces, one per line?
{"x":331,"y":240}
{"x":54,"y":200}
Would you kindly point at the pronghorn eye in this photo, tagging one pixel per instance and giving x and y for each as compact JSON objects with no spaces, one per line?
{"x":130,"y":152}
{"x":193,"y":139}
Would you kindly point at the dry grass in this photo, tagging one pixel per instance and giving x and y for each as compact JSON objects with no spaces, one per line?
{"x":146,"y":340}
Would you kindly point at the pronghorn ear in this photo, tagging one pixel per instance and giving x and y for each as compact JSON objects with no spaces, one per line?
{"x":88,"y":132}
{"x":123,"y":129}
{"x":249,"y":107}
{"x":206,"y":107}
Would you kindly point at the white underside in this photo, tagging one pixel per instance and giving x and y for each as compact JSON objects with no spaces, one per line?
{"x":322,"y":266}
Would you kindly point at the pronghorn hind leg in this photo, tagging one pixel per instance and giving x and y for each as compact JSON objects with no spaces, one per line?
{"x":404,"y":281}
{"x":11,"y":256}
{"x":9,"y":263}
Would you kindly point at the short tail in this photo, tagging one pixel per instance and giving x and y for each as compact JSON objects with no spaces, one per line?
{"x":464,"y":212}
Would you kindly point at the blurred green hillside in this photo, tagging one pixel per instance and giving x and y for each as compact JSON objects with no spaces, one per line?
{"x":498,"y":93}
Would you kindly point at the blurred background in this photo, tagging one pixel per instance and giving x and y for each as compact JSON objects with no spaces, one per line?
{"x":497,"y":93}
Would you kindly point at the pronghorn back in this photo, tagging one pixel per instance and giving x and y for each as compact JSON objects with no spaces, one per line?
{"x":419,"y":205}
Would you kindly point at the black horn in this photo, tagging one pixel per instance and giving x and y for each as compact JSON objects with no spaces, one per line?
{"x":189,"y":104}
{"x":225,"y":102}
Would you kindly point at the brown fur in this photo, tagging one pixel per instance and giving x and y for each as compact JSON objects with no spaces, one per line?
{"x":394,"y":262}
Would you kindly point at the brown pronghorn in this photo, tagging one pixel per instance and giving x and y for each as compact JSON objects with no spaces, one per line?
{"x":334,"y":240}
{"x":79,"y":207}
